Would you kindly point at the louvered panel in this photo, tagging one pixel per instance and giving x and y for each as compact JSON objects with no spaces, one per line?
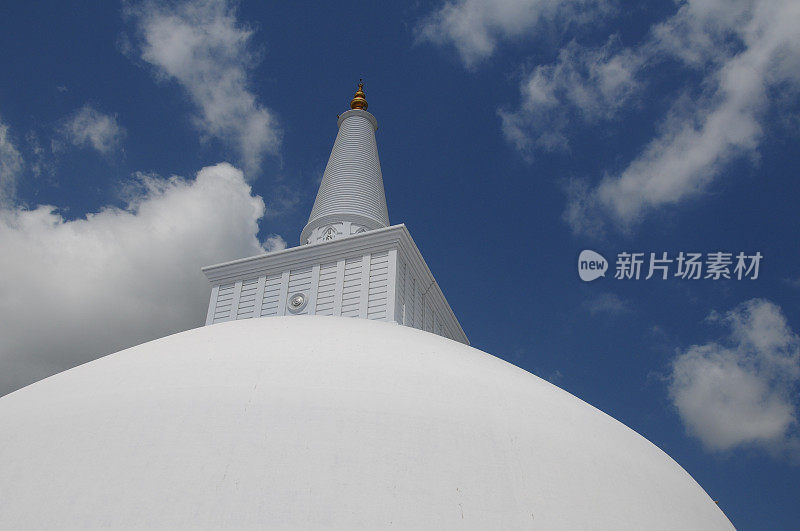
{"x":428,"y":319}
{"x":247,"y":299}
{"x":411,"y":293}
{"x":378,"y":286}
{"x":326,"y":289}
{"x":419,"y":314}
{"x":300,"y":280}
{"x":400,"y":288}
{"x":272,"y":294}
{"x":351,"y":289}
{"x":222,"y":310}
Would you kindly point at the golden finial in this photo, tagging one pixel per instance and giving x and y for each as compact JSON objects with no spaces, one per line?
{"x":359,"y":101}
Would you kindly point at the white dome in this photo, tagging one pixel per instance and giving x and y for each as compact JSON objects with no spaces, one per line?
{"x":326,"y":422}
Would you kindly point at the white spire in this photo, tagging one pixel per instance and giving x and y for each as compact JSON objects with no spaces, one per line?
{"x":358,"y":266}
{"x":351,"y":197}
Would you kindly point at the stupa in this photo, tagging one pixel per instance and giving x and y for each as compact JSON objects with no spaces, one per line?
{"x":283,"y":413}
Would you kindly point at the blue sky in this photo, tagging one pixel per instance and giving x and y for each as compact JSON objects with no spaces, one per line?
{"x":139,"y":142}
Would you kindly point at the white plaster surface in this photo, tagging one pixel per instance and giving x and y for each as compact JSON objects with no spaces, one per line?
{"x":316,"y":422}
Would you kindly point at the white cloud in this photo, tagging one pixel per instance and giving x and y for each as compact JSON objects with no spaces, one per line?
{"x":742,"y":51}
{"x":700,"y":138}
{"x":89,"y":127}
{"x":606,"y":303}
{"x":11,"y":165}
{"x":475,"y":27}
{"x":74,"y":290}
{"x":741,"y":392}
{"x":737,"y":56}
{"x":583,"y":85}
{"x":39,"y":161}
{"x":202,"y":46}
{"x":793,"y":282}
{"x":274,"y":242}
